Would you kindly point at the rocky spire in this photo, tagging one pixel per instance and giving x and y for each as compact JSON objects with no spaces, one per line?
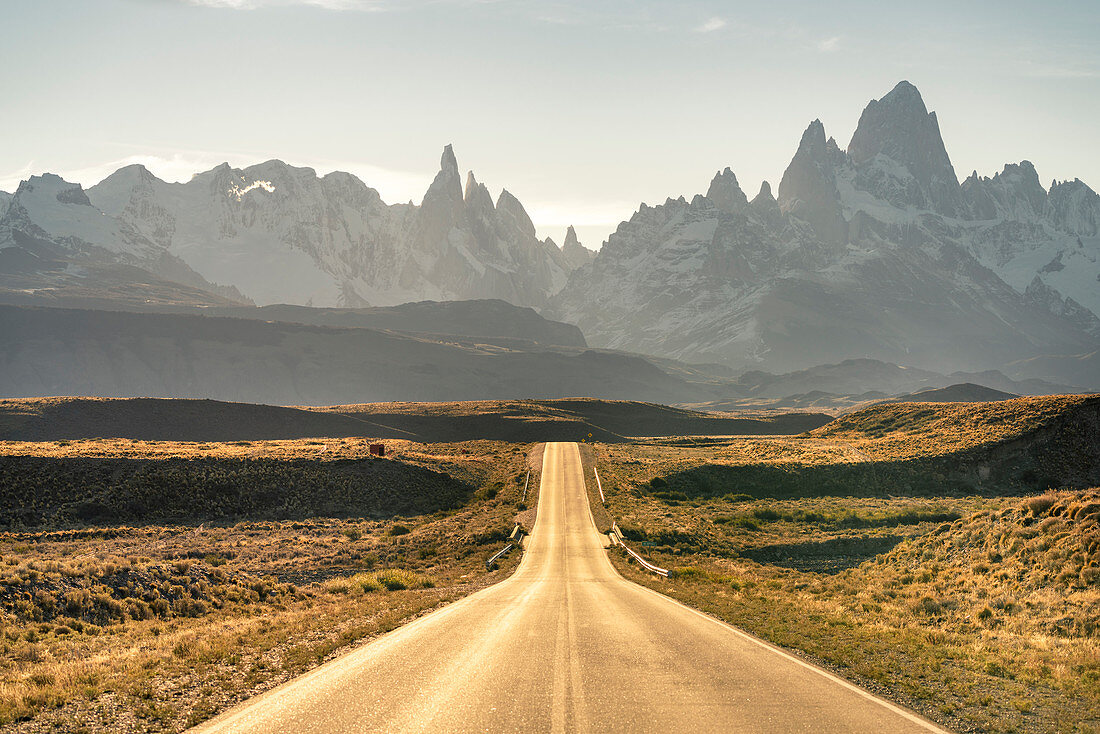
{"x":808,"y":189}
{"x":725,"y":193}
{"x":448,"y":182}
{"x":574,"y":253}
{"x":765,"y":205}
{"x":571,"y":237}
{"x":443,"y":206}
{"x":765,"y":196}
{"x":477,"y":195}
{"x":901,"y":128}
{"x":512,"y":214}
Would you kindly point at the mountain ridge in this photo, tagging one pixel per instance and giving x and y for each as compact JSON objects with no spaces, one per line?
{"x":277,"y":233}
{"x":875,"y":252}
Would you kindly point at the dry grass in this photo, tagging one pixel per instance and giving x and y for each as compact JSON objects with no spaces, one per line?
{"x":154,"y":627}
{"x":909,"y":430}
{"x":971,"y":603}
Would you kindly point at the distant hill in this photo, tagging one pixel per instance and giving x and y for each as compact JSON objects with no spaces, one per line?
{"x":1082,"y":370}
{"x":853,"y":384}
{"x":51,"y":419}
{"x":1028,"y":443}
{"x":965,"y":392}
{"x":142,"y":292}
{"x":491,"y":318}
{"x":121,"y":354}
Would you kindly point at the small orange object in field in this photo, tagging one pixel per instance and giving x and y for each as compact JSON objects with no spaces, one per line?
{"x":378,"y":449}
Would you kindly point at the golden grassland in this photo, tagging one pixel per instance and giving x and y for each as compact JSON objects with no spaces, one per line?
{"x":975,"y":602}
{"x":902,"y":431}
{"x":157,"y":626}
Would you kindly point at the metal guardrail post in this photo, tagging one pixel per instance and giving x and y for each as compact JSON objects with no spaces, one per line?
{"x":599,"y":486}
{"x":525,"y":483}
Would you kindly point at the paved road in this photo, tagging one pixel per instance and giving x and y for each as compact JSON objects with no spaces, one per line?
{"x":566,"y":645}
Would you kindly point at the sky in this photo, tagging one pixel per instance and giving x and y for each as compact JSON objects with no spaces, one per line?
{"x":582,"y":109}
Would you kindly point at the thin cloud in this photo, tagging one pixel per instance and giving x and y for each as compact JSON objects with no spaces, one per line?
{"x":828,"y":45}
{"x":712,"y":25}
{"x":10,"y":181}
{"x":360,"y":5}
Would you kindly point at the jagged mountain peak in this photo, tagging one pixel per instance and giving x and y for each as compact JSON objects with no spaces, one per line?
{"x":894,"y":126}
{"x":725,"y":193}
{"x":813,"y":140}
{"x":765,"y":205}
{"x":510,"y":208}
{"x":1024,"y":179}
{"x":446,"y":188}
{"x":574,"y":253}
{"x":808,"y":189}
{"x":477,"y":196}
{"x":447,"y":162}
{"x":918,"y":171}
{"x":1013,"y":193}
{"x":765,"y":193}
{"x":51,"y":185}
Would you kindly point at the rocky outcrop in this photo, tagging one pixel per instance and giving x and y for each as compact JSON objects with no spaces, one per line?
{"x":573,"y":252}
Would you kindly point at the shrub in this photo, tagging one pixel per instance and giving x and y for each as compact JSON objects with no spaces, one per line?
{"x":365,"y":583}
{"x":396,"y":580}
{"x":688,"y":573}
{"x":1041,"y":504}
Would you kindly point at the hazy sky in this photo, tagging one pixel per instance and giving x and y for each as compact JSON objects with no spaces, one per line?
{"x":582,"y":109}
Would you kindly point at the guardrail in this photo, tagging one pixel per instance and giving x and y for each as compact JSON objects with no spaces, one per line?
{"x":525,"y":483}
{"x":617,"y":535}
{"x":598,"y":485}
{"x":516,"y":536}
{"x":496,"y":556}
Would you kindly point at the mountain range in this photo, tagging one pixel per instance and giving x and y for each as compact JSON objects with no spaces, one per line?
{"x":873,"y":252}
{"x":273,"y":233}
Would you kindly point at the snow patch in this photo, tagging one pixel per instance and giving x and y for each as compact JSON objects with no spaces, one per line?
{"x":239,"y":192}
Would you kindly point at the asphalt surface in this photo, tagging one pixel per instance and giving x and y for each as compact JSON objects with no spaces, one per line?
{"x":566,"y":645}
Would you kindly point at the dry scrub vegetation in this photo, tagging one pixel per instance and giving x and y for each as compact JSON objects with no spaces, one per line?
{"x":963,"y":593}
{"x":155,"y":626}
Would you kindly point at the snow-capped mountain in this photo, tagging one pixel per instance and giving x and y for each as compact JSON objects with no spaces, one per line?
{"x":53,"y":238}
{"x":876,"y":251}
{"x":281,"y":234}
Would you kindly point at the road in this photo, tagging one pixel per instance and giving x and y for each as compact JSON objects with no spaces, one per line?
{"x":566,"y":645}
